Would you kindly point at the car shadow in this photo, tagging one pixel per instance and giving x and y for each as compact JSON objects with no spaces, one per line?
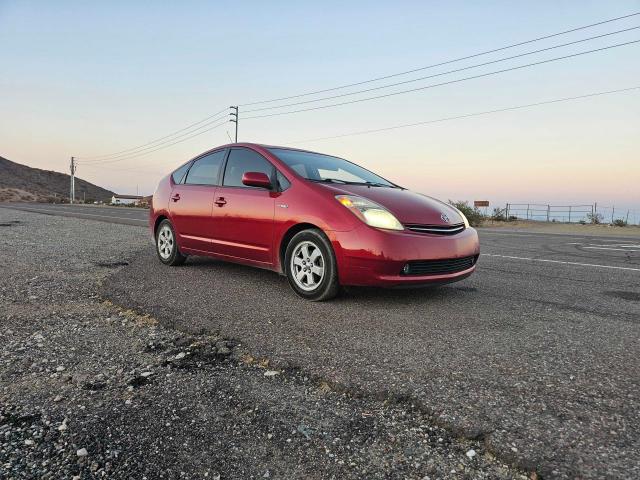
{"x":267,"y":279}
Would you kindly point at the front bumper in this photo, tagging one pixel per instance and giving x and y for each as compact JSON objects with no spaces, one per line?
{"x":371,"y":257}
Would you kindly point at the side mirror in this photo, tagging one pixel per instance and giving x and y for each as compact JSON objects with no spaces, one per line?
{"x":256,"y":179}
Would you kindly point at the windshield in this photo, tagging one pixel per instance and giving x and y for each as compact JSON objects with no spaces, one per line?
{"x":324,"y":168}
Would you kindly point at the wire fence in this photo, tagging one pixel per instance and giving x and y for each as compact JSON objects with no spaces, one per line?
{"x":592,"y":213}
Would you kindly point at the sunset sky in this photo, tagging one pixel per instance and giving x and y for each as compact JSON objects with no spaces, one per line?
{"x":93,"y":78}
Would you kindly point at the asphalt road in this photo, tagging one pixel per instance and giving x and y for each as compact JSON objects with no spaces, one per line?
{"x":537,"y":353}
{"x":102,"y":213}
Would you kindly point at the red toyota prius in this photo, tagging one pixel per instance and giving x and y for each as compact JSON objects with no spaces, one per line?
{"x":318,"y":219}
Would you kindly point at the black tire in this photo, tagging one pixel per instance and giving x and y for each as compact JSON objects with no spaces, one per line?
{"x":167,"y":246}
{"x":312,"y":286}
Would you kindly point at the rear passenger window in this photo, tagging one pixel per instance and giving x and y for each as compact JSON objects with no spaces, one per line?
{"x":205,"y":170}
{"x":178,"y":175}
{"x":242,"y":160}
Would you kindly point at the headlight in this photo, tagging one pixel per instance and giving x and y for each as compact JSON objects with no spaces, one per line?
{"x":370,"y":212}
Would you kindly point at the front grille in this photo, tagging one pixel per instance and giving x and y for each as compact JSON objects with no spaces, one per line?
{"x":439,"y":267}
{"x":435,"y":229}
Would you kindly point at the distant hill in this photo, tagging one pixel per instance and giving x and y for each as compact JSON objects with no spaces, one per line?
{"x":21,"y":183}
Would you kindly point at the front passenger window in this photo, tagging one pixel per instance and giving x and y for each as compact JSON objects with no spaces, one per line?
{"x":242,"y":160}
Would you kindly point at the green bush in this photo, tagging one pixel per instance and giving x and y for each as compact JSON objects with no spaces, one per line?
{"x":619,"y":222}
{"x":594,"y":218}
{"x":472,"y":213}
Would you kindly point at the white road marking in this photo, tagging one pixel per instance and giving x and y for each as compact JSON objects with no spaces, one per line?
{"x":607,"y":246}
{"x":560,"y":261}
{"x":611,"y":248}
{"x":52,"y":212}
{"x":77,"y":210}
{"x":619,"y":245}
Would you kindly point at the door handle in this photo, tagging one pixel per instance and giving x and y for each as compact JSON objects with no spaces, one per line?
{"x":220,"y":201}
{"x":176,"y":197}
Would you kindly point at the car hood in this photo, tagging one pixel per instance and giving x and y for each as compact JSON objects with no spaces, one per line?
{"x":407,"y":206}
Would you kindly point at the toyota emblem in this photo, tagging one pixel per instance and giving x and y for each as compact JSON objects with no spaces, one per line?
{"x":444,"y":217}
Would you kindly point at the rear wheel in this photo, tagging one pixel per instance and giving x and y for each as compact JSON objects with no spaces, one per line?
{"x":167,"y":246}
{"x":311,"y":266}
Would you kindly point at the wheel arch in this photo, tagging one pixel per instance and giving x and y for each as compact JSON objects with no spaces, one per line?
{"x":286,"y":238}
{"x":159,"y":220}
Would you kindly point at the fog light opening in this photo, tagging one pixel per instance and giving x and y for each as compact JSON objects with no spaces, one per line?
{"x":406,"y":269}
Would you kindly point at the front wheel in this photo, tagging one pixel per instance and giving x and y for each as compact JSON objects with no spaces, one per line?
{"x":167,"y":246}
{"x":311,"y":266}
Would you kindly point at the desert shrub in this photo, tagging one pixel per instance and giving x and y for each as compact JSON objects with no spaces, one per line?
{"x":472,"y":213}
{"x":498,"y":215}
{"x":582,"y":222}
{"x":594,"y":218}
{"x":512,"y":218}
{"x":619,"y":222}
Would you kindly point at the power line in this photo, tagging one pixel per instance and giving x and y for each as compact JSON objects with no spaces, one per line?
{"x":136,"y":170}
{"x":156,"y":140}
{"x":468,"y":115}
{"x":401,"y":92}
{"x":443,"y":73}
{"x":170,"y":138}
{"x":157,"y":144}
{"x":486,"y":52}
{"x":163,"y":147}
{"x":439,"y":120}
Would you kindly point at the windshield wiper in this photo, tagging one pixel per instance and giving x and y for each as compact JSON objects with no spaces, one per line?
{"x":328,"y":180}
{"x":376,"y":184}
{"x":346,"y":182}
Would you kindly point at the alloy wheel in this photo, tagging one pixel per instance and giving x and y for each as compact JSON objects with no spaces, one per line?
{"x":307,"y":266}
{"x":166,"y":242}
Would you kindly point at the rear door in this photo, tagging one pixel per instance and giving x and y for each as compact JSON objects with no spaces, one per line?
{"x":243,"y":216}
{"x":191,"y":202}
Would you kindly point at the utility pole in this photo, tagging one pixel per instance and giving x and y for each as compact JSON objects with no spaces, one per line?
{"x":235,"y":119}
{"x":72,"y":168}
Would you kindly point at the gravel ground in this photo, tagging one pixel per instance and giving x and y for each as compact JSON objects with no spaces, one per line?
{"x":538,"y":359}
{"x":89,"y":390}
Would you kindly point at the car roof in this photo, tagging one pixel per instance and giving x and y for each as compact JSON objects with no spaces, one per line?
{"x":251,"y":144}
{"x":266,"y":146}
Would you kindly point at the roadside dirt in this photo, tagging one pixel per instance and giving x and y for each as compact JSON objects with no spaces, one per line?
{"x":567,"y":228}
{"x":89,"y":389}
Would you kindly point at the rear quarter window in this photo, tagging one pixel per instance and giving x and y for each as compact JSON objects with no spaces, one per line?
{"x":178,"y":175}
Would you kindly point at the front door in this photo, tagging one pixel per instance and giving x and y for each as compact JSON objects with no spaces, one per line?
{"x":191,"y":202}
{"x":243,"y":216}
